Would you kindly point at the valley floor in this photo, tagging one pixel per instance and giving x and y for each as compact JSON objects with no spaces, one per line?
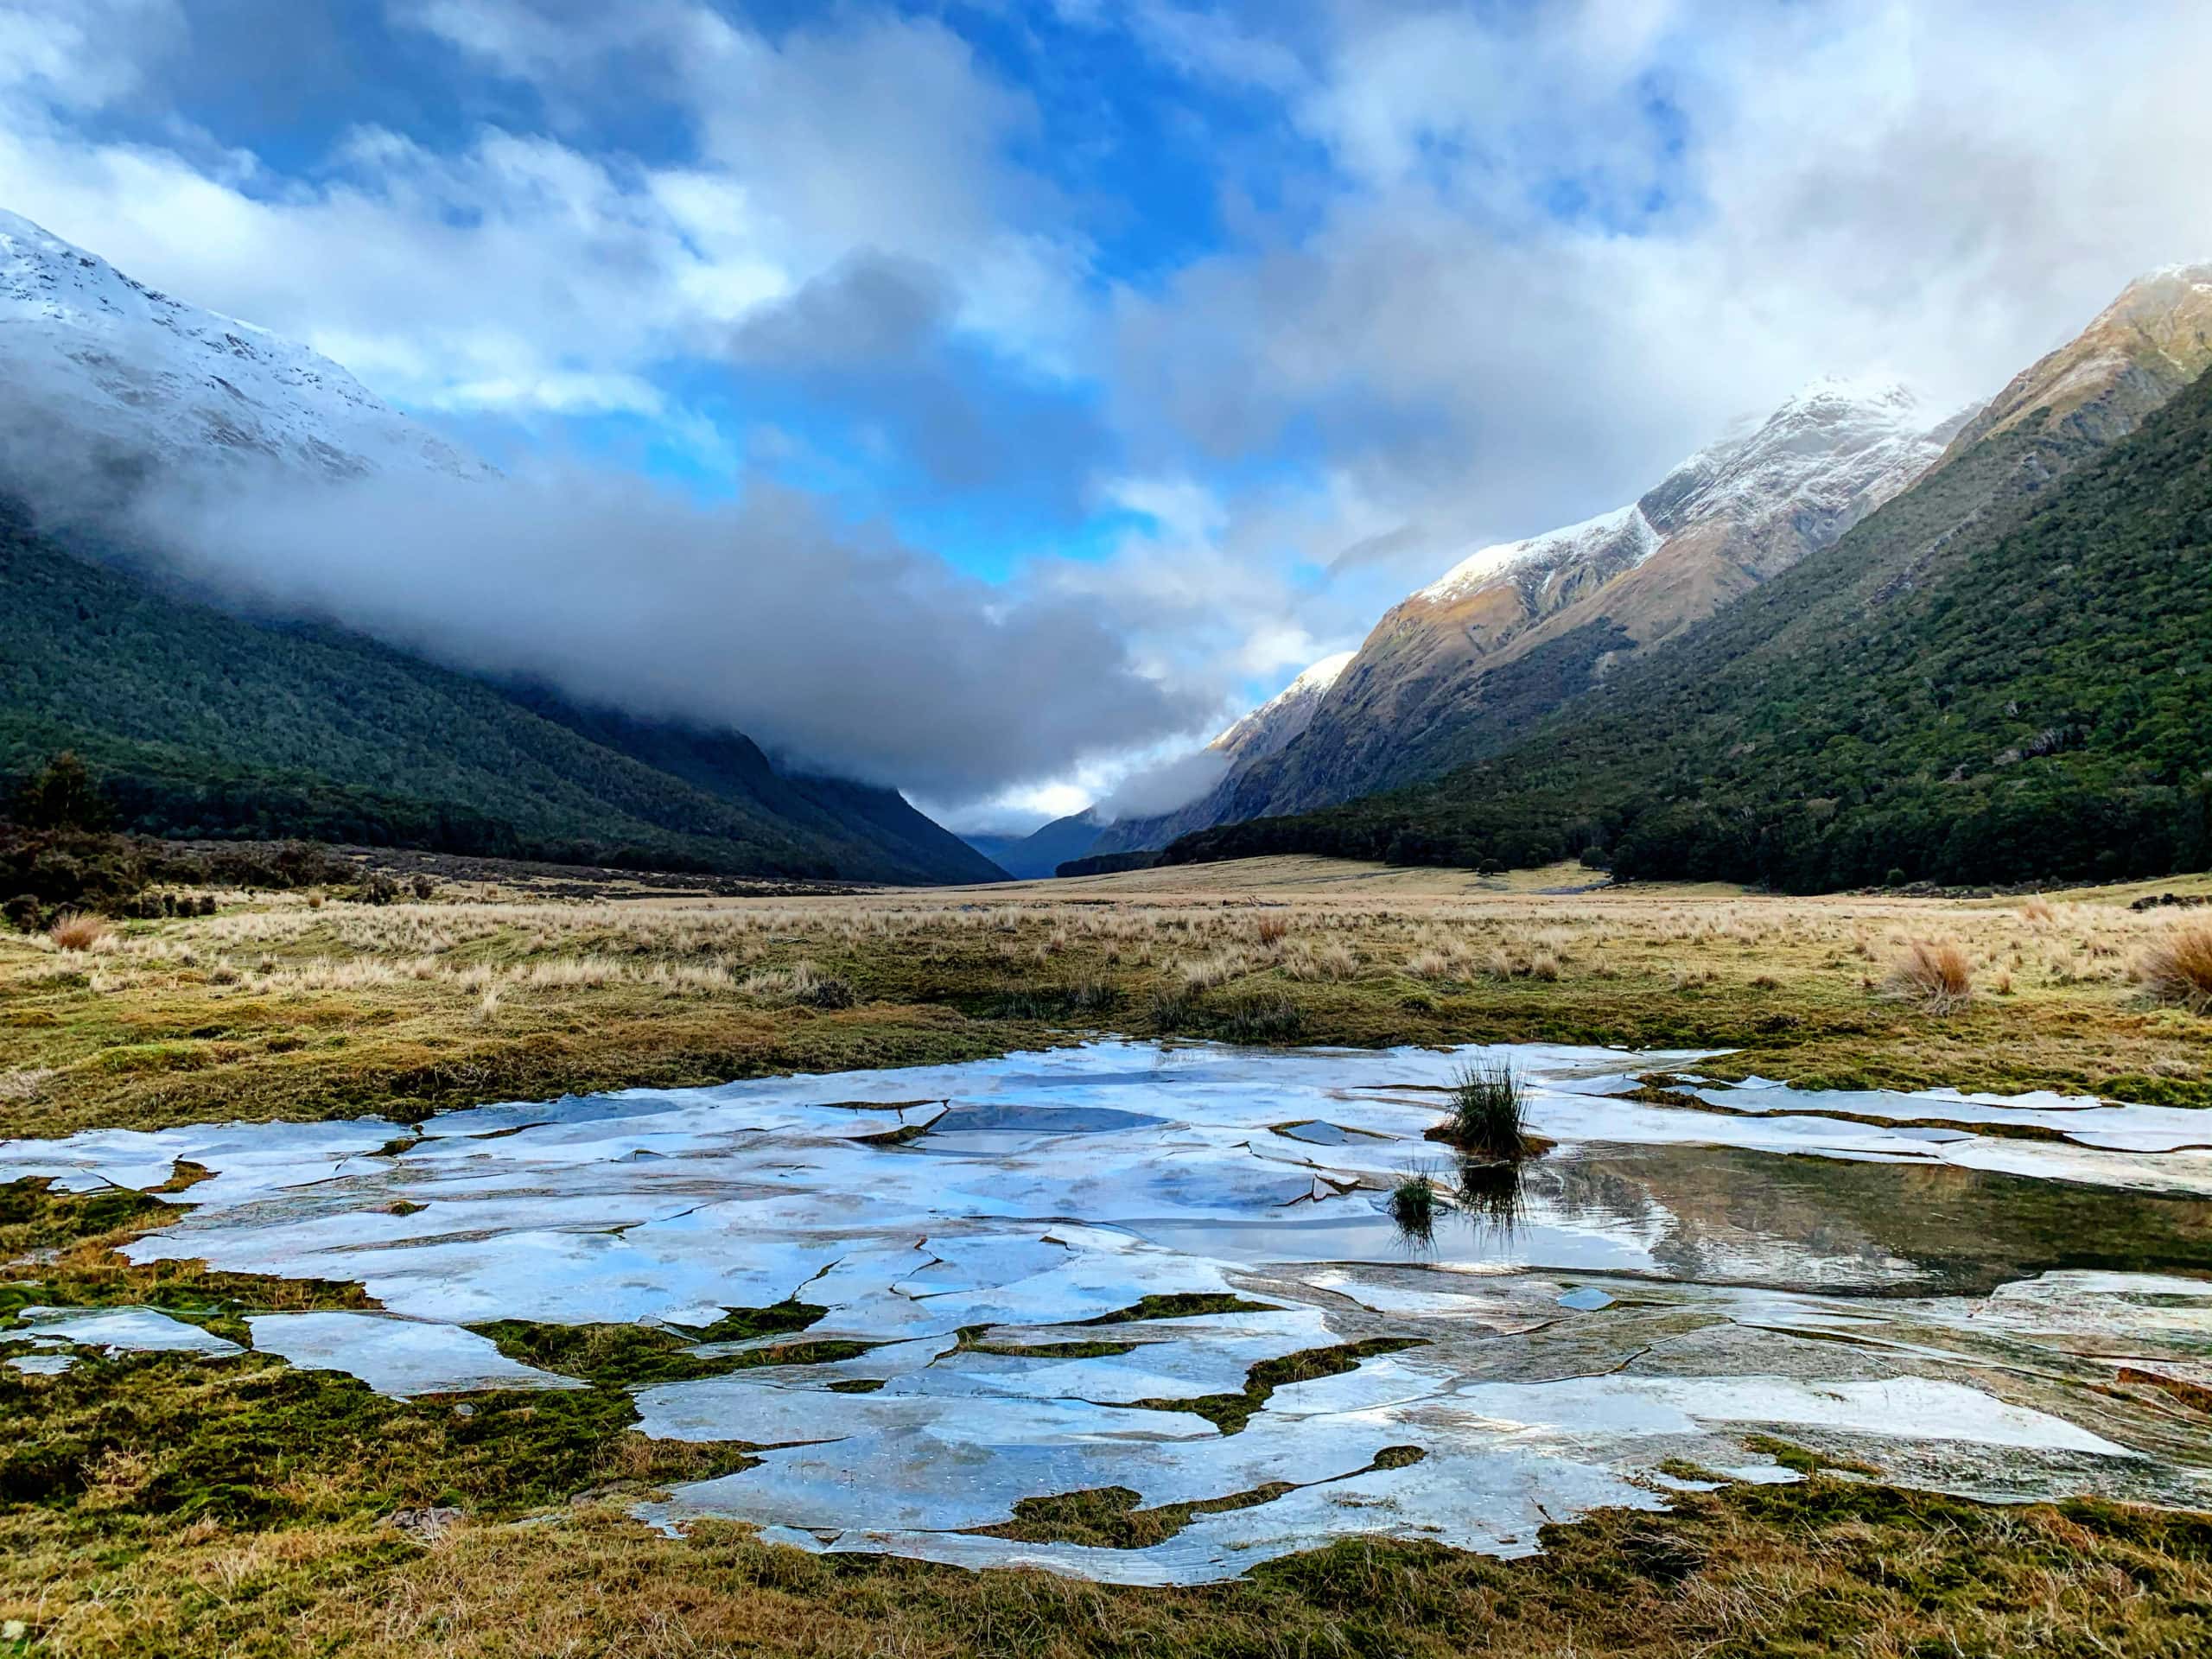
{"x":289,"y":1006}
{"x":153,"y":1505}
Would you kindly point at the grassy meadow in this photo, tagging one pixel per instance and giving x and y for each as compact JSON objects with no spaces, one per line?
{"x":290,"y":1005}
{"x":159,"y":1506}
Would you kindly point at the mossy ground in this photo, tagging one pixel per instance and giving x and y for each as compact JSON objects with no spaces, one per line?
{"x":173,"y":1506}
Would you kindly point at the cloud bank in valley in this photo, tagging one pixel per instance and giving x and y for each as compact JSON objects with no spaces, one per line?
{"x":839,"y":646}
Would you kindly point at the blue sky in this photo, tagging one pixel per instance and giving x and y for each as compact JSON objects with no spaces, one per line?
{"x":1121,"y":319}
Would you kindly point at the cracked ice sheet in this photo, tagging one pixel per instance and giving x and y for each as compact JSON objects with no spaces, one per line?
{"x":1494,"y":1502}
{"x":399,"y":1357}
{"x":2086,"y":1119}
{"x":1051,"y":1189}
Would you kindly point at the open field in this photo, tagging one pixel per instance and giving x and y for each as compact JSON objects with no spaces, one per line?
{"x":287,"y":1005}
{"x":156,"y":1505}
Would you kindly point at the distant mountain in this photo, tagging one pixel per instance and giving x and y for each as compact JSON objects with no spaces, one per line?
{"x":2003,"y":674}
{"x":1037,"y":855}
{"x":202,"y":722}
{"x":133,"y":378}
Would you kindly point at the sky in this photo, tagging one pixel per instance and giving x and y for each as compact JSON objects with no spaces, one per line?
{"x":1043,"y":382}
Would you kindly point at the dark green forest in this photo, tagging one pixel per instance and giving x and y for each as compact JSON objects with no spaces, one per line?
{"x":202,"y":724}
{"x":2004,"y":675}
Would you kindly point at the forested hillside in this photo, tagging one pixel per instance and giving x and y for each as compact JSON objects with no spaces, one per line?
{"x":202,"y":723}
{"x":2004,"y":675}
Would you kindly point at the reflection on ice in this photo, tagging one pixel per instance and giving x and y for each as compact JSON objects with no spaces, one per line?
{"x":1179,"y":1271}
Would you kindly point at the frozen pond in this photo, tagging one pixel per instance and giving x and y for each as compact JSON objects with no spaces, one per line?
{"x":2002,"y":1298}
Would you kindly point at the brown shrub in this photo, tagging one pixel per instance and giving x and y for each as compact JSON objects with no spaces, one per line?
{"x":2177,"y":968}
{"x":1936,"y":977}
{"x":1273,"y":928}
{"x":76,"y":932}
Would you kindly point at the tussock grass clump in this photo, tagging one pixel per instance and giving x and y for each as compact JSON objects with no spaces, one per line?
{"x":1208,"y":973}
{"x":2177,"y":968}
{"x":77,"y":932}
{"x":1171,"y":1008}
{"x":1264,"y":1020}
{"x":2036,"y":908}
{"x":1489,"y":1114}
{"x":801,"y":985}
{"x":1334,"y":962}
{"x":1936,"y":977}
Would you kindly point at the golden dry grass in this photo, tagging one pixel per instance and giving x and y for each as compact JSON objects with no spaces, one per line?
{"x":1939,"y":977}
{"x":78,"y":932}
{"x":278,"y":1008}
{"x":281,"y":1007}
{"x":2177,"y":967}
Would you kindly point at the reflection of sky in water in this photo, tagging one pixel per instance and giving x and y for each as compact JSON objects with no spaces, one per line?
{"x":1665,"y":1278}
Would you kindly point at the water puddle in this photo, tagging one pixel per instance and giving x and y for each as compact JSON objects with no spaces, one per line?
{"x":1177,"y":1271}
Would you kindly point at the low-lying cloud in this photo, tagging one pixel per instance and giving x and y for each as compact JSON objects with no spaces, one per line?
{"x":1153,"y":789}
{"x":838,"y":647}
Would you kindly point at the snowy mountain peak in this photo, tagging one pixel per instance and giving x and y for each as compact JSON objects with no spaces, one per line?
{"x":129,"y":373}
{"x":1839,"y":444}
{"x":1320,"y":677}
{"x":1827,"y":393}
{"x":1283,"y":716}
{"x":1538,"y":555}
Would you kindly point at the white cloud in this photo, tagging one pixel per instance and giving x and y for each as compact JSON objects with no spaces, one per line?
{"x":83,"y":55}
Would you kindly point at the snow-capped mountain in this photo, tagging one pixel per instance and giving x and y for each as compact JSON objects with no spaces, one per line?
{"x":1622,"y":538}
{"x":1768,"y":491}
{"x":1573,"y":600}
{"x":1270,"y":727}
{"x":129,"y":376}
{"x":1266,"y":732}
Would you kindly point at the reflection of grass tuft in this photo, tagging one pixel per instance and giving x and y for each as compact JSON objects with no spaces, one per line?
{"x":1413,"y":1205}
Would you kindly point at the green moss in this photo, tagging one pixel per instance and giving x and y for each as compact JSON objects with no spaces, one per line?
{"x":1053,"y":1349}
{"x":127,"y":1447}
{"x":1230,"y":1411}
{"x":1804,"y":1459}
{"x":621,"y":1356}
{"x":743,"y":1324}
{"x":34,"y":1216}
{"x":1183,"y":1305}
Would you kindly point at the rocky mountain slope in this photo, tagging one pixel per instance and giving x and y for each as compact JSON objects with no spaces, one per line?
{"x":1463,"y":666}
{"x":2005,"y":673}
